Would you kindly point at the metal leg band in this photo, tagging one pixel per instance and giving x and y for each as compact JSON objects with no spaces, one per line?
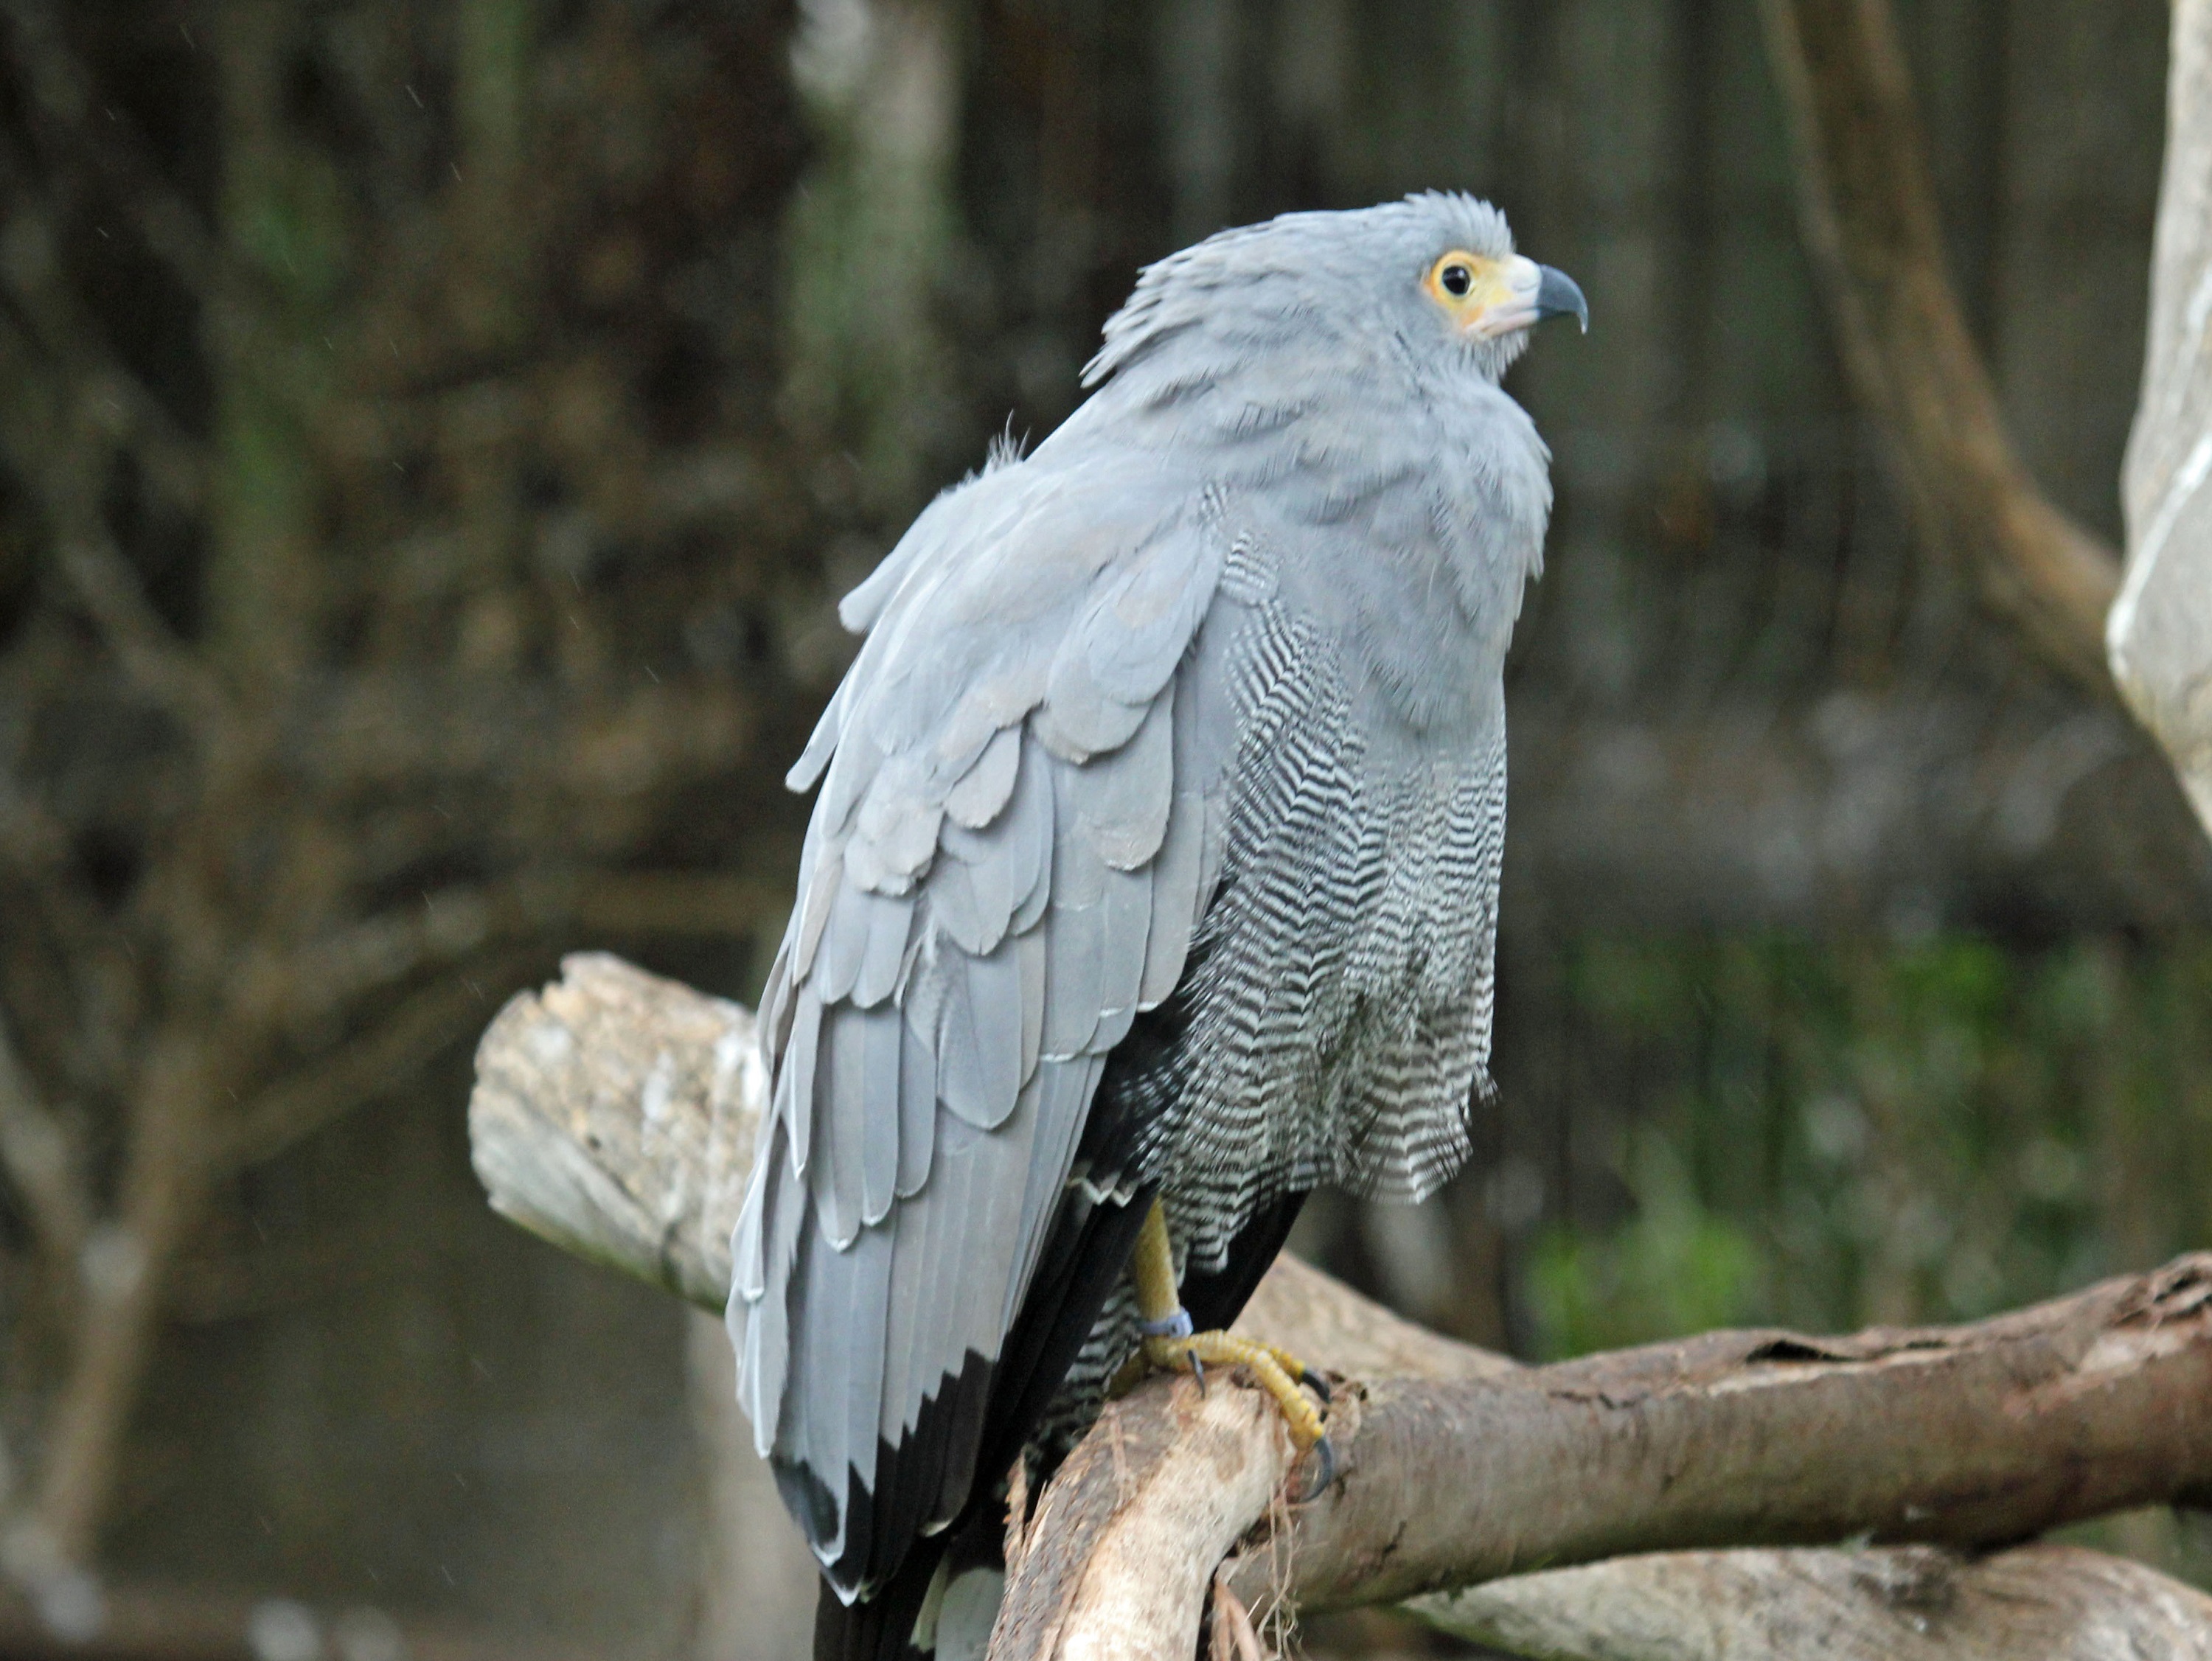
{"x":1175,"y":1324}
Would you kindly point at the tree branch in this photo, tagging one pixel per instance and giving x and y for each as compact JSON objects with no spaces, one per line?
{"x":333,"y":972}
{"x":63,"y":92}
{"x":613,"y":1114}
{"x":334,"y":1084}
{"x":69,"y":344}
{"x":61,"y":443}
{"x":91,"y":953}
{"x":1964,"y":1435}
{"x":1867,"y":210}
{"x":167,"y":670}
{"x":1894,"y":1603}
{"x":163,"y":1191}
{"x":35,"y":1152}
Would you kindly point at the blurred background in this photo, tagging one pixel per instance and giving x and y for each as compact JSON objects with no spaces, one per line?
{"x":432,"y":438}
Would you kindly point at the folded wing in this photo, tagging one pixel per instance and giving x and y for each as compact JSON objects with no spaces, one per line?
{"x":1003,"y":868}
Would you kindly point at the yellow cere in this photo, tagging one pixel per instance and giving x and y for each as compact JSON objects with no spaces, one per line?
{"x":1466,"y":285}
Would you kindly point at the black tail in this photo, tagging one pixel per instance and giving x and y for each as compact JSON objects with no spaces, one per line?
{"x":882,"y":1629}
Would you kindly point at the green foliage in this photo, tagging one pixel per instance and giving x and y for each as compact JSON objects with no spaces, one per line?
{"x":1673,"y":1267}
{"x":1826,"y":1135}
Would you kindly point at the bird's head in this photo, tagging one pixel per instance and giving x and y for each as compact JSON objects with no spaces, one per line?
{"x":1435,"y":276}
{"x":1485,"y":296}
{"x":1439,"y":270}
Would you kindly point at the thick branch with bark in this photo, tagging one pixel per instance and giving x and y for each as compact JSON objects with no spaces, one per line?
{"x":1964,"y":1436}
{"x":1867,"y":210}
{"x":613,"y":1114}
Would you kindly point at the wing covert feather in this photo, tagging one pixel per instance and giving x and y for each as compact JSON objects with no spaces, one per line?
{"x":917,"y":1110}
{"x":1123,"y":798}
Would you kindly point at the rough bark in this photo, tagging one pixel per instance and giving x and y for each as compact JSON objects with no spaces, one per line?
{"x":1966,"y":1436}
{"x":2159,"y":630}
{"x":612,"y":1115}
{"x":1894,"y":1603}
{"x":1867,"y":210}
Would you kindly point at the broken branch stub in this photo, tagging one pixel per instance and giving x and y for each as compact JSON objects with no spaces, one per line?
{"x":614,"y":1114}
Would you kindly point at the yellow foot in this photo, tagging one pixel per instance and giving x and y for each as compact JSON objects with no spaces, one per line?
{"x":1276,"y":1371}
{"x":1169,"y":1342}
{"x":1273,"y":1370}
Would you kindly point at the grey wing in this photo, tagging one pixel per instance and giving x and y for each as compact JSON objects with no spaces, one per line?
{"x":1004,"y":866}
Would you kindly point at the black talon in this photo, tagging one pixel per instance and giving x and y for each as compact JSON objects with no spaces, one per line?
{"x":1315,"y":1382}
{"x":1325,"y":1471}
{"x":1198,"y":1370}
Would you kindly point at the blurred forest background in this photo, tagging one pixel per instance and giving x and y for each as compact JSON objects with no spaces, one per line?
{"x":432,"y":436}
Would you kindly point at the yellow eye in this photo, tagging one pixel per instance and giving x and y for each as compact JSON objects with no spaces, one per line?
{"x":1457,"y":276}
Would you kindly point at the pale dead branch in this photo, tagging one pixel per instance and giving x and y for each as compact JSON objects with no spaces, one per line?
{"x":613,"y":1115}
{"x":2159,"y":632}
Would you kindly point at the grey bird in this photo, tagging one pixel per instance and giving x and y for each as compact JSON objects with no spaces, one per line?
{"x":1153,"y":882}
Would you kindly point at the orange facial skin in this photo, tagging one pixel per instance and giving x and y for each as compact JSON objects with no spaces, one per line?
{"x":1483,"y":298}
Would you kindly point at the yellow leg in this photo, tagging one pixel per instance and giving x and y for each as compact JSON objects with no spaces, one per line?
{"x":1171,"y":1343}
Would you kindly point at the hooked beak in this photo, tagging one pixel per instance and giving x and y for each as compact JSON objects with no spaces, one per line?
{"x":1533,"y":293}
{"x":1558,"y":295}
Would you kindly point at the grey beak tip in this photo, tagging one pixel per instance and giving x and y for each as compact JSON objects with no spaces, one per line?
{"x":1558,"y":294}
